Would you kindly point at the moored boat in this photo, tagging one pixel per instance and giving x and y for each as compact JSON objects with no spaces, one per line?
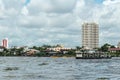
{"x":92,"y":55}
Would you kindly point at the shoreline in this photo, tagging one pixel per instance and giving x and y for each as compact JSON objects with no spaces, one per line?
{"x":50,"y":56}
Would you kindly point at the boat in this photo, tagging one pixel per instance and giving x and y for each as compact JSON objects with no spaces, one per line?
{"x":92,"y":55}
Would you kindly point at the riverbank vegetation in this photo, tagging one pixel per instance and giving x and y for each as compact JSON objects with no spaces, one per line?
{"x":48,"y":51}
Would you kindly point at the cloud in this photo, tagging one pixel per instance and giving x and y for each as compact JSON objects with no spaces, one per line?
{"x":51,"y":6}
{"x":1,"y":10}
{"x":24,"y":11}
{"x":39,"y":22}
{"x":110,"y":2}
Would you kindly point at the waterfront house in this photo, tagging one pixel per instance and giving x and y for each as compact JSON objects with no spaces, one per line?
{"x":60,"y":49}
{"x":114,"y":49}
{"x":1,"y":48}
{"x":31,"y":52}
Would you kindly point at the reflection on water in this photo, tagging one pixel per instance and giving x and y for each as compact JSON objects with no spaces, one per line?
{"x":39,"y":68}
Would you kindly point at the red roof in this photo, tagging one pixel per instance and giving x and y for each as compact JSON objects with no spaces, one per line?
{"x":114,"y":49}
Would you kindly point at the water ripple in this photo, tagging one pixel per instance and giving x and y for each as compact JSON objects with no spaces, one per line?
{"x":40,"y":68}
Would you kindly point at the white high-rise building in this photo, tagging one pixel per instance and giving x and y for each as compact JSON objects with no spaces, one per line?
{"x":118,"y":45}
{"x":90,"y":35}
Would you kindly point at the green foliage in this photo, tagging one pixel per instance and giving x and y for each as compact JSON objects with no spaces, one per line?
{"x":71,"y":53}
{"x":43,"y":51}
{"x":78,"y":47}
{"x":42,"y":48}
{"x":106,"y":46}
{"x":115,"y":54}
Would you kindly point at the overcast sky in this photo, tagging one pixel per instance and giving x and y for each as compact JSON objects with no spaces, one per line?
{"x":38,"y":22}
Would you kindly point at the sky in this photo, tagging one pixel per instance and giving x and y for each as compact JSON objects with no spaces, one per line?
{"x":38,"y":22}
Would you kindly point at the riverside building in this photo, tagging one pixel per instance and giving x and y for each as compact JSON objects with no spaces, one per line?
{"x":118,"y":45}
{"x":90,"y":35}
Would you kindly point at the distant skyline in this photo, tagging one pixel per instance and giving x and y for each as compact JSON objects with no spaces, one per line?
{"x":38,"y":22}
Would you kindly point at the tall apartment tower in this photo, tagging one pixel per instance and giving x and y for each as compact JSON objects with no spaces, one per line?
{"x":90,"y":35}
{"x":5,"y":43}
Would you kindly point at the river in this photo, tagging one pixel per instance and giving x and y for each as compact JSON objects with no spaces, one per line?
{"x":43,"y":68}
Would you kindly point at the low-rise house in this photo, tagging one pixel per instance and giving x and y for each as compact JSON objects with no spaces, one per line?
{"x":32,"y":52}
{"x":58,"y":49}
{"x":1,"y":48}
{"x":114,"y":49}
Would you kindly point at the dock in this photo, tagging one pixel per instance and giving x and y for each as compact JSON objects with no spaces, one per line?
{"x":93,"y":55}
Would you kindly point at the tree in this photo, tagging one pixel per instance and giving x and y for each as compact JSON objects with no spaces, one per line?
{"x":78,"y":47}
{"x":106,"y":46}
{"x":112,"y":46}
{"x":35,"y":47}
